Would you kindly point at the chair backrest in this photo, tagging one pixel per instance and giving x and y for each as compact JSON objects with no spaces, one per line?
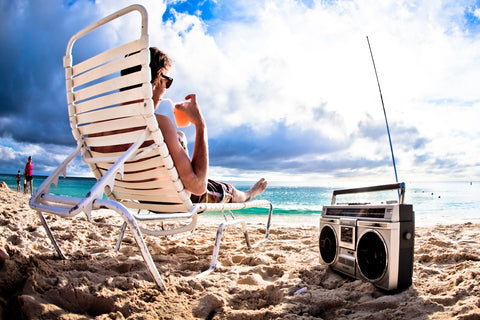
{"x":109,"y":112}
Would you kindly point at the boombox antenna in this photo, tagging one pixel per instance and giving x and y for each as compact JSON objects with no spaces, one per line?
{"x":384,"y":112}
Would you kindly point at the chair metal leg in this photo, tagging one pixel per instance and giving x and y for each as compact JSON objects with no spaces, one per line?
{"x":120,"y":237}
{"x":218,"y":238}
{"x":267,"y":230}
{"x":50,"y":235}
{"x":133,"y":226}
{"x":216,"y":248}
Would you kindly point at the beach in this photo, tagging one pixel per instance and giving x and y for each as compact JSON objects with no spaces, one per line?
{"x":261,"y":283}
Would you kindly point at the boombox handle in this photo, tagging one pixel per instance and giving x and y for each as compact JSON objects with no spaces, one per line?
{"x":400,"y":186}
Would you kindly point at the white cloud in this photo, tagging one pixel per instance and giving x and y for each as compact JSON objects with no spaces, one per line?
{"x":7,"y":153}
{"x":476,"y":13}
{"x":290,"y":59}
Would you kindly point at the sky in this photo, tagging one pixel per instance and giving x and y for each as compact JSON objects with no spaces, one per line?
{"x":287,"y":88}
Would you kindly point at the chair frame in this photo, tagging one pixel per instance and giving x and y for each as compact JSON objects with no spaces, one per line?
{"x":65,"y":206}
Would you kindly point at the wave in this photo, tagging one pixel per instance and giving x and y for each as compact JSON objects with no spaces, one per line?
{"x":276,"y":211}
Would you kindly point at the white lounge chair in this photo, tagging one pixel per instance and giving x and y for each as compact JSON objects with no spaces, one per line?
{"x":97,"y":106}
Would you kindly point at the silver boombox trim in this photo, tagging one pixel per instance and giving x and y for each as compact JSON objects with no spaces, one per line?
{"x":372,"y":242}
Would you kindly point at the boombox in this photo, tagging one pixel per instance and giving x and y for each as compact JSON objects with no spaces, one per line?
{"x":372,"y":242}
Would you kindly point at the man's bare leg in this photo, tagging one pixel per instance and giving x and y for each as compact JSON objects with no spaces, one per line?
{"x":258,"y":188}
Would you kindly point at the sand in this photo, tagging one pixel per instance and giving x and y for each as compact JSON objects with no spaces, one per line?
{"x":99,"y":283}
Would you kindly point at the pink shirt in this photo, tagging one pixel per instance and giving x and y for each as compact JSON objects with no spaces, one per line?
{"x":29,"y":169}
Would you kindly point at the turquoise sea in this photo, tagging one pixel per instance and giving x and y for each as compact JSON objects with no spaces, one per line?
{"x":433,"y":202}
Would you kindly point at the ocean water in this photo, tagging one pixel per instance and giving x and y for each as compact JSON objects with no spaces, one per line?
{"x":433,"y":202}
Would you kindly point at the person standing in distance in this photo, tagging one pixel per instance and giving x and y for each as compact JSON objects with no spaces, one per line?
{"x":17,"y":177}
{"x":28,"y":174}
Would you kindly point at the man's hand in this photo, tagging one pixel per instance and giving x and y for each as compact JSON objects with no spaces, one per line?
{"x":192,"y":110}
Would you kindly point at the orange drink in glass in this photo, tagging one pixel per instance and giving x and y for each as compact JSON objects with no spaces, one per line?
{"x":181,"y":118}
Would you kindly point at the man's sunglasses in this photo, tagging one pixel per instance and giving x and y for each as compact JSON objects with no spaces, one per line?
{"x":169,"y":80}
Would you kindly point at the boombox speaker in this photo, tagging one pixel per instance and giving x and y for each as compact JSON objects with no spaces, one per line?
{"x":372,"y":242}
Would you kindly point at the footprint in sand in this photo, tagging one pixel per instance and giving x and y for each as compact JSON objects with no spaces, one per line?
{"x":261,"y":276}
{"x":254,"y":299}
{"x":207,"y":305}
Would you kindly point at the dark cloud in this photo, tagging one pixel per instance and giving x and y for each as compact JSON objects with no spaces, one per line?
{"x":46,"y":158}
{"x":368,"y":128}
{"x":403,"y":136}
{"x":34,"y":35}
{"x":281,"y":148}
{"x":449,"y":162}
{"x":320,"y":113}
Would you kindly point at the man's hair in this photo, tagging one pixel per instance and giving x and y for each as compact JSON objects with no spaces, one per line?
{"x":159,"y":62}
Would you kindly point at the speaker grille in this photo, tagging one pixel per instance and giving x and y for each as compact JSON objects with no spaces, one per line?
{"x":328,"y":245}
{"x":372,"y":256}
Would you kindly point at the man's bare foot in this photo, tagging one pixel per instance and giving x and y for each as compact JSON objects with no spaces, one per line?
{"x":257,"y":189}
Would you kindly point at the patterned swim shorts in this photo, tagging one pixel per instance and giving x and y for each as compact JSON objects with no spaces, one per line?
{"x":217,"y":192}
